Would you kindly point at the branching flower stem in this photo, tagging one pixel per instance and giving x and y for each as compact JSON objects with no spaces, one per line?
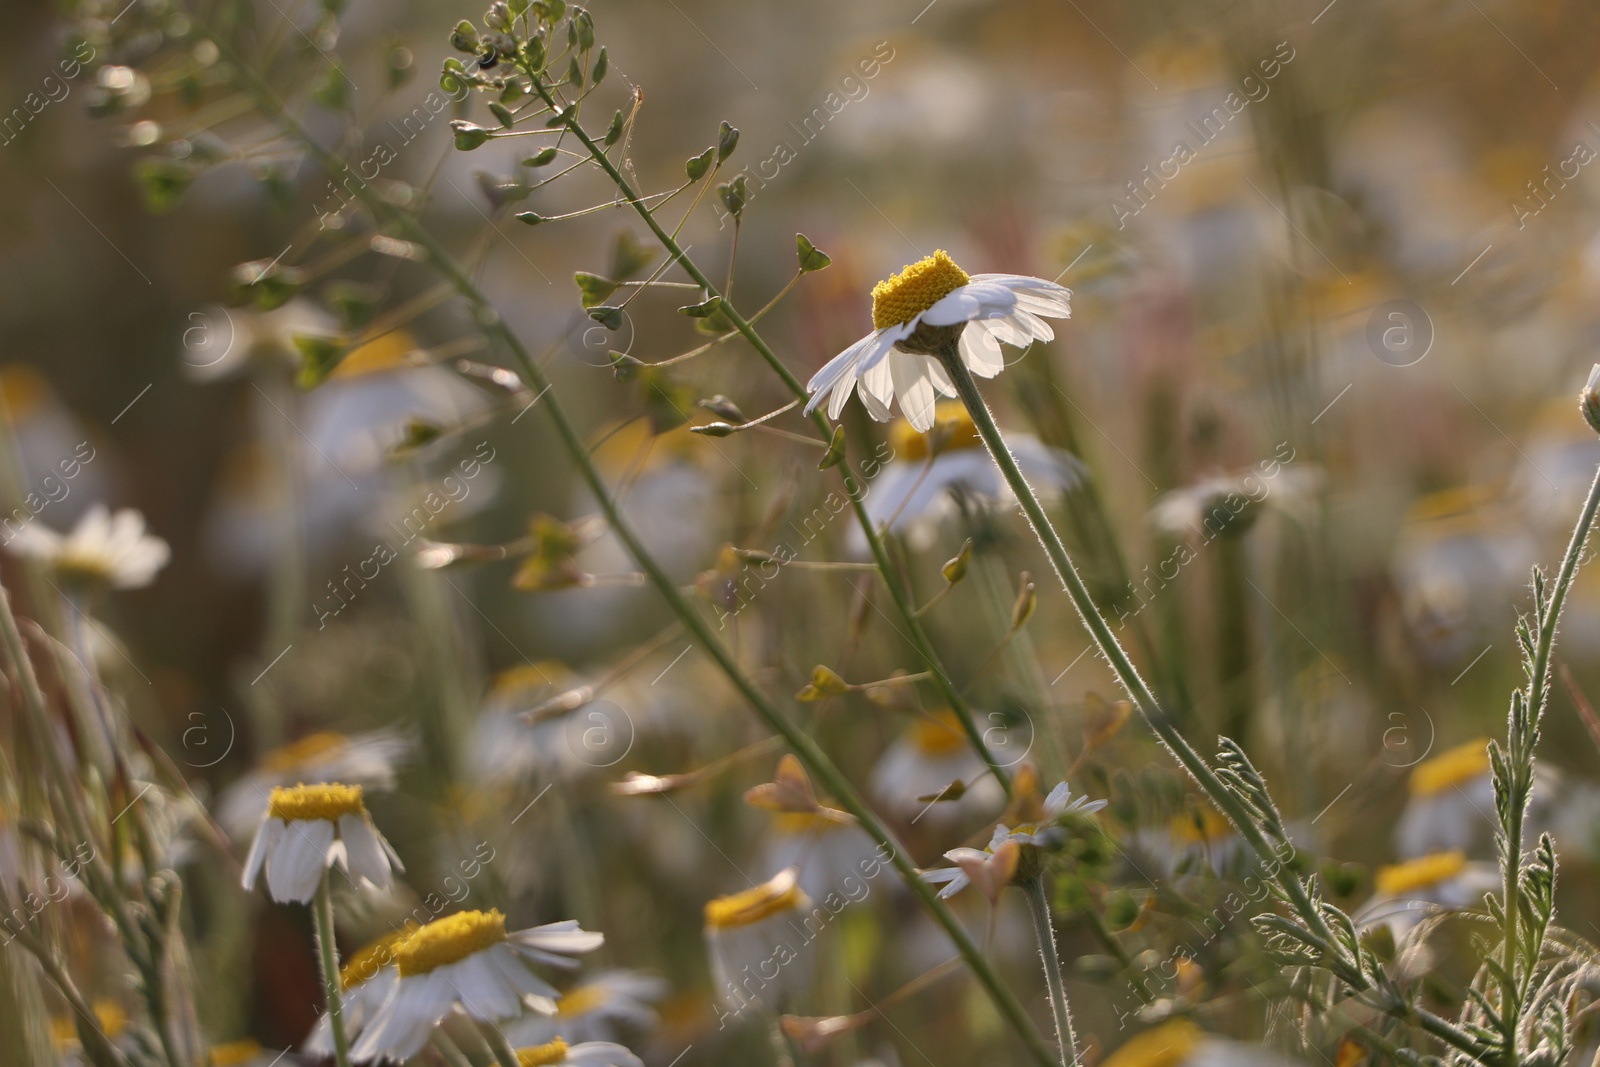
{"x":805,"y":748}
{"x":897,"y":592}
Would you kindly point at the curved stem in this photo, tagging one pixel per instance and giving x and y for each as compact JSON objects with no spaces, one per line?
{"x":913,"y":625}
{"x":328,"y":961}
{"x":1044,"y":932}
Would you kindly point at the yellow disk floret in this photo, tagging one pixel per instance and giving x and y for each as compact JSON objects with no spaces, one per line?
{"x":581,"y":1000}
{"x":234,"y":1053}
{"x":305,"y":803}
{"x":365,"y":963}
{"x":756,"y":903}
{"x":939,"y":734}
{"x":303,"y":751}
{"x":1166,"y":1046}
{"x":447,"y":940}
{"x":1420,"y":873}
{"x":543,"y":1055}
{"x":903,"y":296}
{"x":1460,"y":764}
{"x":950,"y":417}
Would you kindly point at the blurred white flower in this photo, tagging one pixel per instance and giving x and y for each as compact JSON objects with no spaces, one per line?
{"x":829,"y":855}
{"x":1035,"y":831}
{"x":1406,"y":893}
{"x":366,"y":759}
{"x":310,"y":828}
{"x":927,"y":757}
{"x":365,"y":982}
{"x":558,"y":1053}
{"x":102,"y":549}
{"x":931,"y":303}
{"x":467,"y":962}
{"x":605,"y":1008}
{"x":757,"y":941}
{"x":1180,"y":1043}
{"x":220,"y":342}
{"x":914,"y":492}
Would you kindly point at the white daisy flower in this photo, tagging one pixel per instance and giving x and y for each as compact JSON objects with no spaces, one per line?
{"x":1180,"y":1043}
{"x":365,"y":759}
{"x":604,"y":1008}
{"x":103,"y":549}
{"x":1232,"y":502}
{"x":928,"y":306}
{"x":758,"y":953}
{"x":1452,"y":806}
{"x":558,"y":1053}
{"x":830,"y":855}
{"x":913,"y":493}
{"x":1409,"y":892}
{"x":927,"y":757}
{"x":310,"y":828}
{"x":469,"y":962}
{"x":365,"y":982}
{"x":219,"y":342}
{"x":1037,"y":831}
{"x":1199,"y":836}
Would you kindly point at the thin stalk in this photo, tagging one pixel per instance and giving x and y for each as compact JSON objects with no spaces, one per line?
{"x":495,"y":1038}
{"x":328,"y":960}
{"x":805,"y":748}
{"x":1044,"y":932}
{"x":897,"y":592}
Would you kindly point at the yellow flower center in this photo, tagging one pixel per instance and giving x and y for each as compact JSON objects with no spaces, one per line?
{"x":918,"y":287}
{"x":1419,"y":873}
{"x":939,"y":734}
{"x":365,"y":963}
{"x":307,"y":803}
{"x":582,"y":1000}
{"x":234,"y":1053}
{"x":1459,"y":764}
{"x":542,"y":1055}
{"x":447,"y":940}
{"x":303,"y":751}
{"x":1201,"y":827}
{"x":756,"y":903}
{"x":1166,"y":1046}
{"x":107,"y":1013}
{"x":807,"y":822}
{"x":950,"y":418}
{"x":389,"y":352}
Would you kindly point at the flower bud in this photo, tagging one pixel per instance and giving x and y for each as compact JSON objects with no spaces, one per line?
{"x":1589,"y":400}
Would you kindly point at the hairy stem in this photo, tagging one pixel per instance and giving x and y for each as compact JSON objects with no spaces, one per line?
{"x":1044,"y":932}
{"x":328,"y":961}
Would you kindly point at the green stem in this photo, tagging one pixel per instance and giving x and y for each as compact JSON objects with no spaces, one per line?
{"x":498,"y":1044}
{"x":810,"y":754}
{"x":1044,"y":932}
{"x":328,"y":959}
{"x":897,"y":592}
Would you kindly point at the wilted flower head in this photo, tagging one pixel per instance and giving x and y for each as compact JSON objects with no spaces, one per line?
{"x":310,"y":828}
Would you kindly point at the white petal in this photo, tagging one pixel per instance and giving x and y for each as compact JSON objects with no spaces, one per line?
{"x":266,"y":840}
{"x":483,"y":990}
{"x":941,"y":378}
{"x":361,"y":844}
{"x":980,"y":351}
{"x":971,"y":301}
{"x":835,"y":370}
{"x":877,"y":390}
{"x":402,"y":1025}
{"x":601,"y":1054}
{"x":565,"y":937}
{"x":913,"y":385}
{"x":296,"y":864}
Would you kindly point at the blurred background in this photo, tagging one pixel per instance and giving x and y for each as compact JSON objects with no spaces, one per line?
{"x":1340,"y":261}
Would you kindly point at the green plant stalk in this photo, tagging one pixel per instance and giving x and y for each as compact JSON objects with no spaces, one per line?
{"x":1549,"y":615}
{"x":806,"y":749}
{"x":499,"y":1046}
{"x":1289,"y":884}
{"x":1044,"y":932}
{"x":328,"y":961}
{"x":902,"y":601}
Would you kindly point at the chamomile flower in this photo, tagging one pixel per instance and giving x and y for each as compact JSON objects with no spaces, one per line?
{"x":1195,"y":839}
{"x":103,"y":549}
{"x":604,"y":1008}
{"x":365,"y":981}
{"x":1180,"y":1043}
{"x":757,"y":953}
{"x":927,"y":757}
{"x":365,"y":759}
{"x":931,"y":305}
{"x":1451,"y":807}
{"x":914,"y":492}
{"x":1036,"y":828}
{"x":307,"y":830}
{"x":831,"y":856}
{"x":558,"y":1053}
{"x":1406,"y":893}
{"x":467,"y":962}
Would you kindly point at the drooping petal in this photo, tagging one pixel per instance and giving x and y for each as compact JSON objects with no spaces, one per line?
{"x":601,"y":1054}
{"x":295,"y":866}
{"x":980,"y":351}
{"x":913,"y":385}
{"x":973,"y":301}
{"x":266,"y":839}
{"x":362,"y":849}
